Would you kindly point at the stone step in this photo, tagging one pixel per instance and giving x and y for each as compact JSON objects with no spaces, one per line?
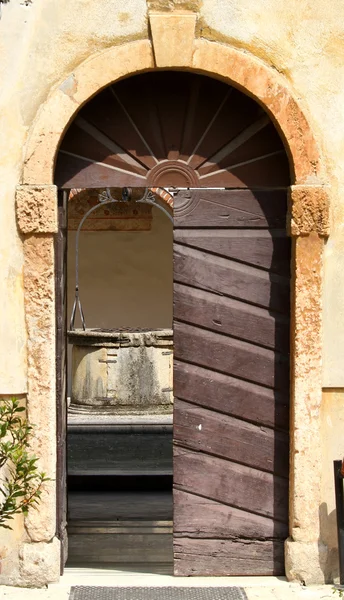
{"x":121,"y":542}
{"x":119,"y":449}
{"x":137,"y":505}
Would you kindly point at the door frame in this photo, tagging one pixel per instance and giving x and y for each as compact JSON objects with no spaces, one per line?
{"x":36,"y":210}
{"x":61,"y":330}
{"x":61,"y":249}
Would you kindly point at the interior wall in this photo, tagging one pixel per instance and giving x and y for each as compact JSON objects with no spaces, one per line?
{"x":125,"y":278}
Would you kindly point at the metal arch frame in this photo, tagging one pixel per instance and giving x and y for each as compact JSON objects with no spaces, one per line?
{"x":105,"y":198}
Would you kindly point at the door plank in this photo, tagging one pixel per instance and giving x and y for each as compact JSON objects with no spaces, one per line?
{"x":252,"y":445}
{"x":232,"y":317}
{"x":267,"y":249}
{"x":231,"y":396}
{"x":225,"y":277}
{"x":231,"y":483}
{"x":218,"y":557}
{"x":239,"y":208}
{"x":200,"y":517}
{"x":232,"y":356}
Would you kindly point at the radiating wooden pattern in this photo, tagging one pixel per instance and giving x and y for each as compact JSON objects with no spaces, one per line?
{"x":231,"y":382}
{"x":171,"y":129}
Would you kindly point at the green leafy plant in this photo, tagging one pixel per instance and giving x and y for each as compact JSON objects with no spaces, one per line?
{"x":20,"y":486}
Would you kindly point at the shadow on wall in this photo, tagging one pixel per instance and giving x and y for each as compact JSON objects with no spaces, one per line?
{"x":328,"y":555}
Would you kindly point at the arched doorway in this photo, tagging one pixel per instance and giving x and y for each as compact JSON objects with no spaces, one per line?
{"x":231,"y":299}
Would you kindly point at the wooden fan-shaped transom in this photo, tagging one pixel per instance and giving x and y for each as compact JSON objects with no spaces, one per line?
{"x":171,"y":129}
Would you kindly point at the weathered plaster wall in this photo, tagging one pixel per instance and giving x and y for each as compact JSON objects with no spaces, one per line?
{"x":43,"y":41}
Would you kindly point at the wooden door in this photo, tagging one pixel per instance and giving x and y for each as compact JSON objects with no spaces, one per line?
{"x":61,"y":373}
{"x":231,"y":382}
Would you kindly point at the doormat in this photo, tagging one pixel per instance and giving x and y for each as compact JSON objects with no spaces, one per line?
{"x":157,"y":593}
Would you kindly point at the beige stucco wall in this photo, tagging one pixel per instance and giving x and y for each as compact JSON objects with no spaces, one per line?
{"x":42,"y":41}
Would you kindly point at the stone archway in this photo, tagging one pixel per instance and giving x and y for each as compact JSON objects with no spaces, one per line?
{"x":190,"y":130}
{"x":36,"y":215}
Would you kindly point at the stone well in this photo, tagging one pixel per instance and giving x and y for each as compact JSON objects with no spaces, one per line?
{"x":122,"y":371}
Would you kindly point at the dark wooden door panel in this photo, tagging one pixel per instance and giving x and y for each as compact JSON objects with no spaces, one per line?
{"x":231,"y":483}
{"x":201,"y":517}
{"x":223,"y":276}
{"x":219,"y":557}
{"x":231,"y":317}
{"x":231,"y":382}
{"x":228,"y":437}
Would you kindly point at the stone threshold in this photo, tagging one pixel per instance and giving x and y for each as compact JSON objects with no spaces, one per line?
{"x":159,"y":575}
